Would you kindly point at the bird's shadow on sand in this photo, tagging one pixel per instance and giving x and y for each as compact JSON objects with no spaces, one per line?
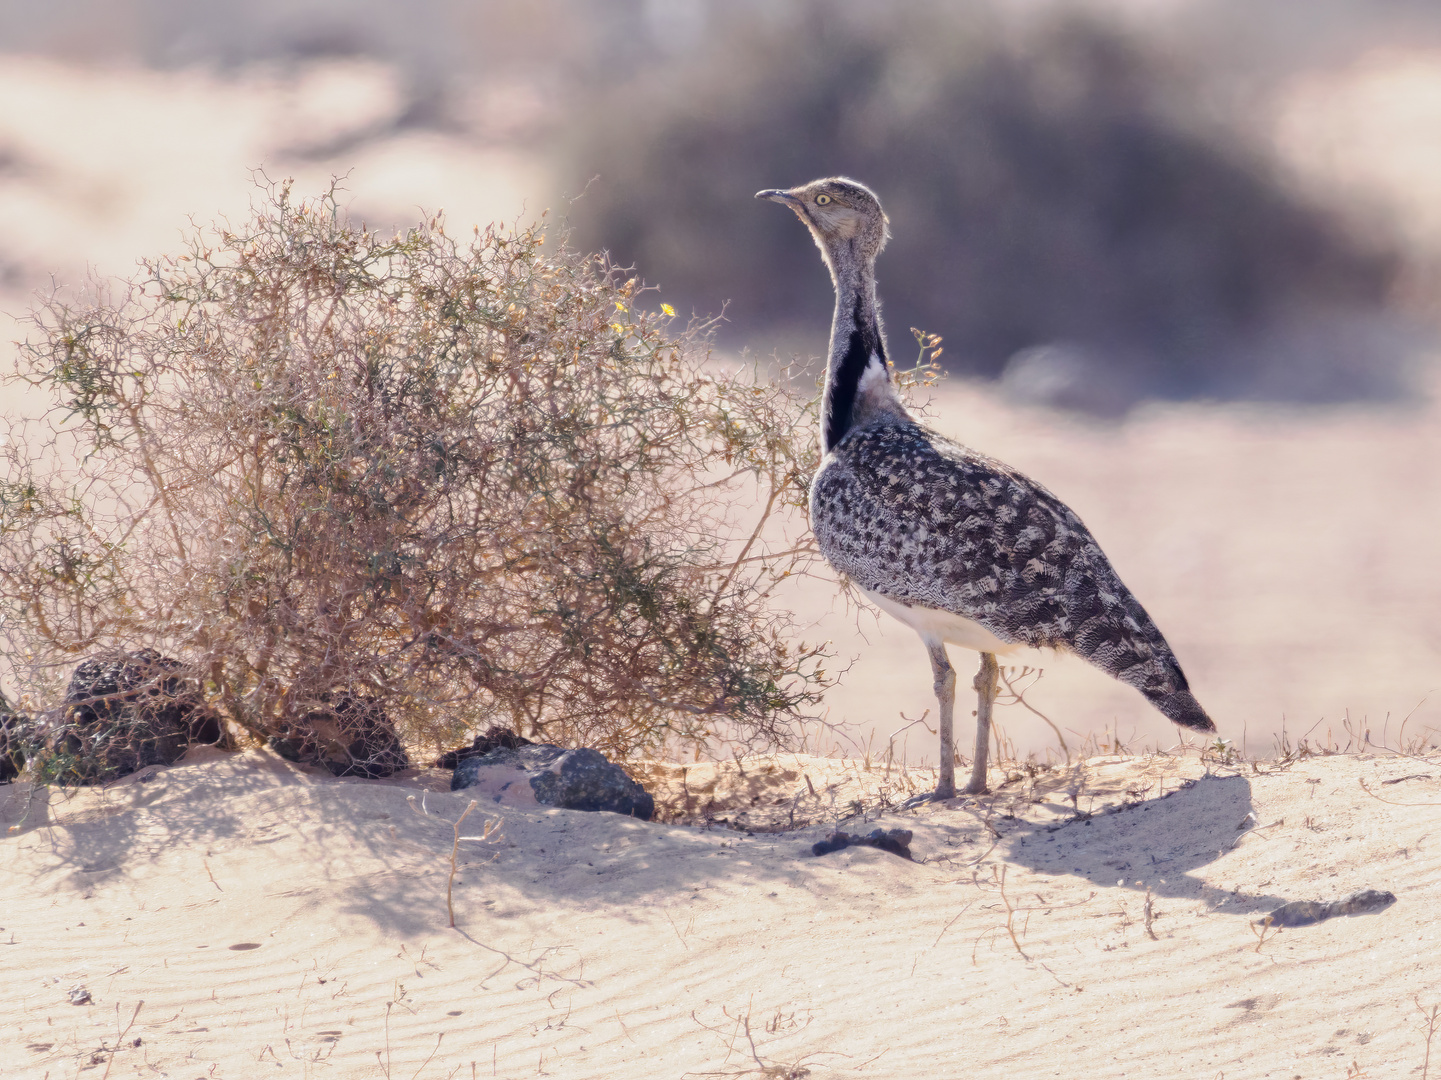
{"x":605,"y":859}
{"x":1156,"y":844}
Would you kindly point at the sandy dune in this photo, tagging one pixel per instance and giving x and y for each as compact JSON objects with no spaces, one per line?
{"x":277,"y":922}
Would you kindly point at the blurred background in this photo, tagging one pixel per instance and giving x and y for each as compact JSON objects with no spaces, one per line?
{"x":1184,"y":256}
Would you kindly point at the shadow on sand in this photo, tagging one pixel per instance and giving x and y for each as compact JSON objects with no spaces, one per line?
{"x":375,"y":854}
{"x":1156,"y":844}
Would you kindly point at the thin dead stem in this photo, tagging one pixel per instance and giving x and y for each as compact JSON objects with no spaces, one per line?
{"x":434,"y":1050}
{"x":1432,"y":1016}
{"x":454,"y":850}
{"x":1392,"y":802}
{"x":738,"y":1031}
{"x":1000,"y":879}
{"x":952,"y":922}
{"x":1264,"y":931}
{"x":120,"y":1034}
{"x":1020,"y":699}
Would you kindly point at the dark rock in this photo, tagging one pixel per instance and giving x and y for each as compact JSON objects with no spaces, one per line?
{"x":896,"y":841}
{"x":579,"y":779}
{"x":122,"y":712}
{"x":531,"y":757}
{"x":349,"y":735}
{"x":495,"y":738}
{"x":1308,"y":912}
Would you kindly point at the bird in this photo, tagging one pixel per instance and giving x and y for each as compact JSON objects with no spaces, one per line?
{"x":960,"y":547}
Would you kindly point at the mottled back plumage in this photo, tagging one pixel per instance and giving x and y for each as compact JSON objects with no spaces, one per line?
{"x":909,"y":514}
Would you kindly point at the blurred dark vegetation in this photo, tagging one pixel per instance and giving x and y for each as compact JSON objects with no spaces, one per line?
{"x":1078,"y":203}
{"x":1046,"y":194}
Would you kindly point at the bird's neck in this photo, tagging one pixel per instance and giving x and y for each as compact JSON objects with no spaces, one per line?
{"x":858,"y":378}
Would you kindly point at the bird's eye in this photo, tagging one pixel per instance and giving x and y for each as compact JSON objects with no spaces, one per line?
{"x":822,"y":200}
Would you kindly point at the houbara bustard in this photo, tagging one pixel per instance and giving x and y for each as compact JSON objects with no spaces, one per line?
{"x":963,"y":549}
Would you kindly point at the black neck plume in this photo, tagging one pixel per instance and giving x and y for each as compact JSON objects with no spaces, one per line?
{"x":856,"y":336}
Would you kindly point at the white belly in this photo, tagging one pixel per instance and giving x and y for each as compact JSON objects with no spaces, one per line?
{"x":935,"y":625}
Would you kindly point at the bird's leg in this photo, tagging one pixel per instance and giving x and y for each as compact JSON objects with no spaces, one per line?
{"x":946,"y":696}
{"x":985,"y":685}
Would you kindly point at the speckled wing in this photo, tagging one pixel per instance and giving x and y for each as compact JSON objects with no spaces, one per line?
{"x":909,"y":514}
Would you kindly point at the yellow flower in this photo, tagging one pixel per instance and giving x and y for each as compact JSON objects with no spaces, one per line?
{"x":617,"y":328}
{"x":668,"y":310}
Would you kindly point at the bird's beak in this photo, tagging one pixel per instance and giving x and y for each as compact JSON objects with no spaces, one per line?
{"x":774,"y":195}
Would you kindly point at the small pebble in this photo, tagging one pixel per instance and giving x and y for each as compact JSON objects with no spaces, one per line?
{"x":1309,"y":912}
{"x":896,"y":841}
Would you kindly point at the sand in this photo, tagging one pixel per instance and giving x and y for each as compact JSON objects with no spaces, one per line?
{"x":276,"y":921}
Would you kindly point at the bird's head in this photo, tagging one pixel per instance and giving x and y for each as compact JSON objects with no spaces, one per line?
{"x":845,"y":218}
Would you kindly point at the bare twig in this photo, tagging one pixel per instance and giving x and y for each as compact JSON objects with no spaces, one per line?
{"x":739,"y":1030}
{"x":490,"y":835}
{"x":1149,"y":913}
{"x":454,"y":849}
{"x":1257,"y":829}
{"x":1021,"y":700}
{"x":1264,"y":931}
{"x":1431,"y":1016}
{"x":1392,"y":802}
{"x":673,"y":926}
{"x":433,"y":1052}
{"x":120,"y":1035}
{"x":1000,"y":879}
{"x":948,"y":925}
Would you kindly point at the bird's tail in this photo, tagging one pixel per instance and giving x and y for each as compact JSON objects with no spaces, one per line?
{"x":1181,"y":707}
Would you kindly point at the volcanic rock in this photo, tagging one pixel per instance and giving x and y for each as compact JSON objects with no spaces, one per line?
{"x":349,"y":735}
{"x":122,"y":712}
{"x":578,"y":779}
{"x":495,"y":738}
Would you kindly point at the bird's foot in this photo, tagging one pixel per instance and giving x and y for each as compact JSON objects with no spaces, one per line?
{"x":926,"y":797}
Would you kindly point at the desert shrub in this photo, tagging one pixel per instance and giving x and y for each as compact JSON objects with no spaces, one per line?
{"x":1055,"y":184}
{"x":457,"y":481}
